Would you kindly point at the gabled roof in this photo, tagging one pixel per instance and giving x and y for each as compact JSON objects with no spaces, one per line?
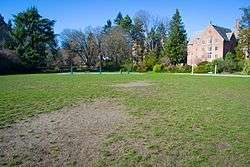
{"x":225,"y":33}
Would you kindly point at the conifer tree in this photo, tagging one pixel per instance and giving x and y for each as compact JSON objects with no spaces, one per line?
{"x":126,"y":23}
{"x":118,"y":19}
{"x":34,"y":36}
{"x":175,"y":47}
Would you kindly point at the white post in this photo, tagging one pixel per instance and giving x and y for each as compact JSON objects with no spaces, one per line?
{"x":215,"y":69}
{"x":192,"y":69}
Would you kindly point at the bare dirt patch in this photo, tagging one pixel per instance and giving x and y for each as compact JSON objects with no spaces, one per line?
{"x":136,"y":84}
{"x":68,"y":137}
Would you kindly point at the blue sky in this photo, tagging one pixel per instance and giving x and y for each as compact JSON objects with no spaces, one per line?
{"x":79,"y":14}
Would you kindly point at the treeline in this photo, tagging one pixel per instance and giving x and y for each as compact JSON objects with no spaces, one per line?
{"x":139,"y":43}
{"x":129,"y":43}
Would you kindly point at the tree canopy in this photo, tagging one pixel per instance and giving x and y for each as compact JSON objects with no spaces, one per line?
{"x":34,"y":36}
{"x":175,"y":47}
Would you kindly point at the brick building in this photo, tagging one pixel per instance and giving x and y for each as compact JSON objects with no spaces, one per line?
{"x":212,"y":43}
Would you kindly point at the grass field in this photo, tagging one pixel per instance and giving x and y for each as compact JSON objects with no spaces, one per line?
{"x":179,"y":120}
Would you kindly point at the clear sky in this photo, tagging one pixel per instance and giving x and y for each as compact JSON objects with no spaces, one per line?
{"x":79,"y":14}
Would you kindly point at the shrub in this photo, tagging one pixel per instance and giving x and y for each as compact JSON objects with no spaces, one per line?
{"x":128,"y":66}
{"x":246,"y":69}
{"x":203,"y":67}
{"x":10,"y":62}
{"x":150,"y":60}
{"x":179,"y":68}
{"x":157,"y":68}
{"x":220,"y":65}
{"x":140,"y":67}
{"x":230,"y":62}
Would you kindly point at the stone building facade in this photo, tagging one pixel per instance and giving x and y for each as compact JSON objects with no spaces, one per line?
{"x":212,"y":43}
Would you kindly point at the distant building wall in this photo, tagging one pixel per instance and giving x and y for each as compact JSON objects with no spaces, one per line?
{"x":209,"y":45}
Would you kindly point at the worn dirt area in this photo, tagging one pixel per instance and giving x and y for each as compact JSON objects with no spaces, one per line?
{"x":136,"y":84}
{"x":70,"y":137}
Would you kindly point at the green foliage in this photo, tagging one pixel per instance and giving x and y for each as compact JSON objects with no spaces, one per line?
{"x":230,"y":62}
{"x":176,"y":44}
{"x":128,"y":65}
{"x":4,"y":32}
{"x":118,"y":18}
{"x":126,"y":23}
{"x":150,"y":60}
{"x":34,"y":35}
{"x":157,"y":68}
{"x":179,"y":68}
{"x":107,"y":26}
{"x":246,"y":69}
{"x":203,"y":67}
{"x":220,"y":65}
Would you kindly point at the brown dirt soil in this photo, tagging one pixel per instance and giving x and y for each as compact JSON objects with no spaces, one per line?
{"x":69,"y":137}
{"x":136,"y":84}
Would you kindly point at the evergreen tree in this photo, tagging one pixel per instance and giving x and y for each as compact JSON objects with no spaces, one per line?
{"x":34,"y":36}
{"x":118,"y":19}
{"x":107,"y":26}
{"x":138,"y":36}
{"x":126,"y":23}
{"x":4,"y":32}
{"x":175,"y":47}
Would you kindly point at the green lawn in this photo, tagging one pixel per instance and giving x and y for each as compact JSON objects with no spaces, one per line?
{"x":180,"y":120}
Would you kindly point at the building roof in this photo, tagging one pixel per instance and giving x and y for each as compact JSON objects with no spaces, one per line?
{"x":225,"y":33}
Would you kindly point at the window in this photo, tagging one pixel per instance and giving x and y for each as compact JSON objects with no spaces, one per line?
{"x":209,"y":55}
{"x":203,"y":42}
{"x":216,"y":56}
{"x":216,"y":48}
{"x":209,"y":48}
{"x":210,"y":40}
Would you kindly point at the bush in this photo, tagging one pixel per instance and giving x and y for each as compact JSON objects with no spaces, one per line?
{"x":230,"y":62}
{"x":203,"y":67}
{"x":150,"y":60}
{"x":157,"y":68}
{"x":179,"y":68}
{"x":10,"y":63}
{"x":140,"y":67}
{"x":220,"y":65}
{"x":246,"y":69}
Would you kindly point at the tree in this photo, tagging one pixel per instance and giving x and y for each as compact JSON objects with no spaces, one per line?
{"x":145,"y":18}
{"x":118,"y":19}
{"x":244,"y":36}
{"x":126,"y":23}
{"x":116,"y":47}
{"x":230,"y":62}
{"x":138,"y":37}
{"x":176,"y":44}
{"x":4,"y":32}
{"x":34,"y":35}
{"x":245,"y":18}
{"x":83,"y":45}
{"x":107,"y":26}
